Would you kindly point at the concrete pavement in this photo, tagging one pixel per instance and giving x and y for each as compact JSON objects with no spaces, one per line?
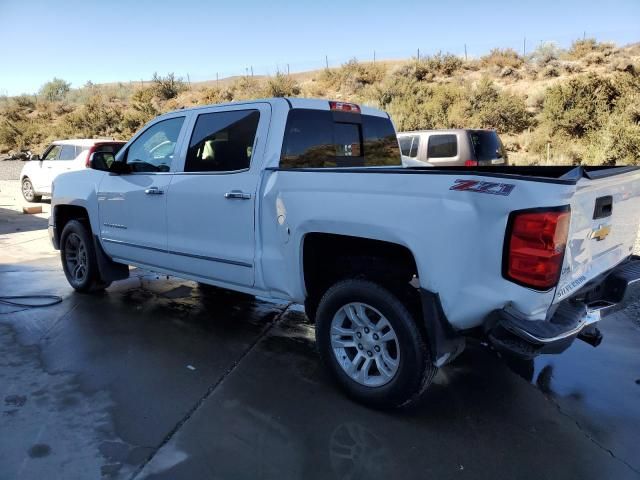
{"x":158,"y":379}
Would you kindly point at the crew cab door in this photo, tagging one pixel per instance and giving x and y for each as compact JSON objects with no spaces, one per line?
{"x":212,"y":202}
{"x":42,"y":175}
{"x":133,"y":205}
{"x":62,"y":163}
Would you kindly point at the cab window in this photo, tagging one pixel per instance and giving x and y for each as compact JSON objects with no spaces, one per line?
{"x":153,"y":151}
{"x":442,"y":146}
{"x":53,"y":153}
{"x":222,"y":141}
{"x":68,"y":152}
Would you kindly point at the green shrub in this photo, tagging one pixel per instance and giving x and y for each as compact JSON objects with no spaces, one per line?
{"x":581,"y":48}
{"x":443,"y":63}
{"x":579,"y":105}
{"x":499,"y":57}
{"x":417,"y":105}
{"x":95,"y":118}
{"x":215,"y":95}
{"x":489,"y":107}
{"x":352,"y":76}
{"x":246,"y":88}
{"x":143,"y":101}
{"x":167,"y":87}
{"x":281,"y":86}
{"x":546,"y":52}
{"x":55,"y":90}
{"x":415,"y":70}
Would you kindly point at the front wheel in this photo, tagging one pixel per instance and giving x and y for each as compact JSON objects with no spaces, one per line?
{"x":79,"y":261}
{"x":372,"y":344}
{"x":28,"y":192}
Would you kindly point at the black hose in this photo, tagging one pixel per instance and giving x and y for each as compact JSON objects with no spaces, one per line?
{"x":10,"y":301}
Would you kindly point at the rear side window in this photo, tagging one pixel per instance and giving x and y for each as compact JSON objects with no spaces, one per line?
{"x":68,"y":152}
{"x":324,"y":139}
{"x":79,"y":149}
{"x":442,"y":146}
{"x":108,"y":147}
{"x":409,"y":145}
{"x":222,"y":141}
{"x":486,"y":145}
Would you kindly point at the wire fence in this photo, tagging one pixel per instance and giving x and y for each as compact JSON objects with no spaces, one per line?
{"x":524,"y":45}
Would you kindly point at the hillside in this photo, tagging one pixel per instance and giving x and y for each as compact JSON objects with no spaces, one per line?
{"x":580,"y":106}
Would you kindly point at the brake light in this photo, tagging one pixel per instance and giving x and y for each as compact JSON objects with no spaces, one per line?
{"x":471,"y":163}
{"x":344,"y":107}
{"x":535,"y":246}
{"x":87,"y":162}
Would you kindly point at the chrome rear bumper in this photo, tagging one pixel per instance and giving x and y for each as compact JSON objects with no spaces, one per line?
{"x":572,"y":318}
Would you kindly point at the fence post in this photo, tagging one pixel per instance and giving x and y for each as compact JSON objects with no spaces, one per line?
{"x":548,"y":151}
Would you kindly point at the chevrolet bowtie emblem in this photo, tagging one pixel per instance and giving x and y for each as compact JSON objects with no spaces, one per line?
{"x":601,"y":232}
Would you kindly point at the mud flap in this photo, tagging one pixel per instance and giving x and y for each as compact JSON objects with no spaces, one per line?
{"x":110,"y":271}
{"x":444,"y":343}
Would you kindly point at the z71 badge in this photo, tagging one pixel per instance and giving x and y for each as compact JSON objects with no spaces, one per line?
{"x":482,"y":187}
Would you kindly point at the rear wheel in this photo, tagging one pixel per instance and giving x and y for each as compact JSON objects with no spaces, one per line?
{"x":372,"y":344}
{"x":79,"y":258}
{"x":28,"y":191}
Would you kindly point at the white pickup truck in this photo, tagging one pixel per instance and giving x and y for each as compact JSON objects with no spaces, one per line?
{"x":306,"y":200}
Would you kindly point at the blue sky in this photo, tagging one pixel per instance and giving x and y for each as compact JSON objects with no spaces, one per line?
{"x":120,"y":40}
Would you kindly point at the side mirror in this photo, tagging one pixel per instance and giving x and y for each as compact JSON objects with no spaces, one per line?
{"x":119,"y":168}
{"x":35,"y":156}
{"x":101,"y":161}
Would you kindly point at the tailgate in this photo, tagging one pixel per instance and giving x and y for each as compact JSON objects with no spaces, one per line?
{"x":605,"y":214}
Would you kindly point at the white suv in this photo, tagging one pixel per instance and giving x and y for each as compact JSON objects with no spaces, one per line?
{"x":61,"y":156}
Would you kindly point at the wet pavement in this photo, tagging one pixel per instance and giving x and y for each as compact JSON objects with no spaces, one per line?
{"x":158,"y":379}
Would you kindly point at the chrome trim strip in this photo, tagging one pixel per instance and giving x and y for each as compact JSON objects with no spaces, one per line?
{"x":115,"y":225}
{"x":127,"y":244}
{"x":182,"y":254}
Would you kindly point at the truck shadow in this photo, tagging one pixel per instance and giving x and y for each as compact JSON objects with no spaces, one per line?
{"x":12,"y":221}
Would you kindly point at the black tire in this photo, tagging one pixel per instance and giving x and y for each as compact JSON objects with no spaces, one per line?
{"x":415,"y":370}
{"x":213,"y":291}
{"x":76,"y":241}
{"x":28,"y":191}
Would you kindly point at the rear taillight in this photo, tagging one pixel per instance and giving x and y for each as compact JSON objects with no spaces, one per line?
{"x":344,"y":107}
{"x":471,"y":163}
{"x":87,"y":162}
{"x":534,"y":247}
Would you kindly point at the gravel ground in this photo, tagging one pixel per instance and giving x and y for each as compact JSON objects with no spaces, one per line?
{"x":10,"y":169}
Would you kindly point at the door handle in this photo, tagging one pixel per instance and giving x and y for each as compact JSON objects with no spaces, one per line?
{"x":153,"y":191}
{"x":237,"y":195}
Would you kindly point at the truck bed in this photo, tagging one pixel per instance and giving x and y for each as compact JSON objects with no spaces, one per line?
{"x":567,"y":175}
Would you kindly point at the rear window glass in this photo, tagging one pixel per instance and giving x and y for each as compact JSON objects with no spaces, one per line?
{"x":322,"y":139}
{"x":409,"y":145}
{"x":486,"y":145}
{"x":68,"y":152}
{"x":222,"y":141}
{"x":109,"y":147}
{"x":442,"y":146}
